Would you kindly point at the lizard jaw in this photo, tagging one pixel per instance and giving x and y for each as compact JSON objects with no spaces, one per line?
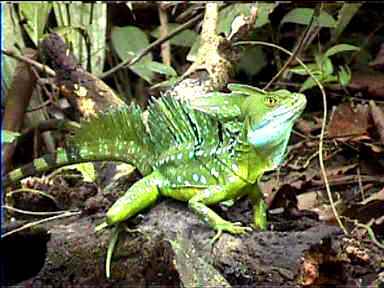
{"x":277,"y":126}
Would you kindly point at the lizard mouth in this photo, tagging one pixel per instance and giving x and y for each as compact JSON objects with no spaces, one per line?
{"x":295,"y":110}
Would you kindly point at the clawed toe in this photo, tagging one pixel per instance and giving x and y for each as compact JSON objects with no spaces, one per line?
{"x":241,"y":228}
{"x":233,"y":228}
{"x":248,"y":229}
{"x":215,"y":238}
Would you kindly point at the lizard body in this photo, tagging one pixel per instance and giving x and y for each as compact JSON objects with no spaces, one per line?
{"x":203,"y":152}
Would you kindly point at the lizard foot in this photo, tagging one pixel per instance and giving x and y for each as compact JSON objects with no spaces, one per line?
{"x":233,"y":228}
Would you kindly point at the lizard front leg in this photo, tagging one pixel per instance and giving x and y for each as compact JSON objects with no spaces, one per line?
{"x":215,"y":194}
{"x":259,"y":206}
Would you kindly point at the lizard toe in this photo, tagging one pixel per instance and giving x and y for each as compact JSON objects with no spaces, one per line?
{"x":233,"y":228}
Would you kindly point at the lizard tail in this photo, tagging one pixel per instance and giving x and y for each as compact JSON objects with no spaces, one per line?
{"x":75,"y":155}
{"x":47,"y":162}
{"x":119,"y":135}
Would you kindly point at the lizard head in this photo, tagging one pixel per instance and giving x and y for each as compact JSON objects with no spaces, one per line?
{"x":269,"y":117}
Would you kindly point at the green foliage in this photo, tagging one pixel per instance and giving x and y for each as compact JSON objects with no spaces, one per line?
{"x":166,"y":84}
{"x":90,"y":18}
{"x":263,"y":11}
{"x":76,"y":21}
{"x":252,"y":61}
{"x":161,"y":68}
{"x":228,"y":14}
{"x":344,"y":75}
{"x":346,"y":13}
{"x":185,"y":38}
{"x":194,"y":49}
{"x":36,"y":16}
{"x":137,"y":41}
{"x":8,"y":136}
{"x":323,"y":68}
{"x":340,"y":48}
{"x":129,"y":41}
{"x":14,"y":40}
{"x":303,"y":16}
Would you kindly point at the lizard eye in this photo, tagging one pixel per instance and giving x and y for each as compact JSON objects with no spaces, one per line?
{"x":270,"y":101}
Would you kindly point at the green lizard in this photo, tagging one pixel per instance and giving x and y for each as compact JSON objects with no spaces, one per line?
{"x":205,"y":151}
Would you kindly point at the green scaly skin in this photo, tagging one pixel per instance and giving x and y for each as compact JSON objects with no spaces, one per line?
{"x":209,"y":150}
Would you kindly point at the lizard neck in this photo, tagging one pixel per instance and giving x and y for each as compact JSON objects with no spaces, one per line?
{"x":271,"y":141}
{"x":253,"y":162}
{"x":266,"y":145}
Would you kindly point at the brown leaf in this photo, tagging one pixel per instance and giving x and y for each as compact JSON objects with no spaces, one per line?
{"x":364,"y":213}
{"x":378,"y":119}
{"x":371,"y":83}
{"x":347,"y":120}
{"x":341,"y":170}
{"x":374,"y":148}
{"x":308,"y":201}
{"x":307,"y":127}
{"x":378,"y":63}
{"x":377,"y":196}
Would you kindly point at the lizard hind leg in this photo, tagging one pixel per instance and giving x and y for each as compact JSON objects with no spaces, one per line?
{"x":139,"y":196}
{"x":212,"y":195}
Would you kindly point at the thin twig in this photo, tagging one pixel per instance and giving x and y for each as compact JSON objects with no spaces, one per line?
{"x":166,"y":46}
{"x":368,"y":228}
{"x":37,"y":65}
{"x":49,"y":125}
{"x":364,"y":45}
{"x":33,"y":191}
{"x":296,"y":52}
{"x":38,"y":107}
{"x":360,"y":183}
{"x":33,"y":213}
{"x":324,"y":121}
{"x":29,"y":225}
{"x":310,"y":158}
{"x":370,"y":233}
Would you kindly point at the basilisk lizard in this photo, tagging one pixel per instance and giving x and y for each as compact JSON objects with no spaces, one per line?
{"x":205,"y":151}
